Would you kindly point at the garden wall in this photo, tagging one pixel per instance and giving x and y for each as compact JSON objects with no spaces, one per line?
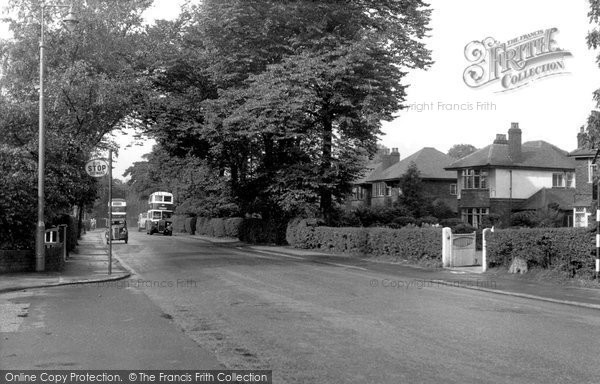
{"x":24,"y":261}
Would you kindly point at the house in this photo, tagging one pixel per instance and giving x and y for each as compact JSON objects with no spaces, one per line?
{"x":587,"y":187}
{"x":509,"y":175}
{"x":380,"y":185}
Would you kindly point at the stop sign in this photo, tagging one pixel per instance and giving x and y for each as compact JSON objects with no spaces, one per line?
{"x":97,"y":168}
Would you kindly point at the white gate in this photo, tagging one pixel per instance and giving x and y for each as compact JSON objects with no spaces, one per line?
{"x":459,"y":250}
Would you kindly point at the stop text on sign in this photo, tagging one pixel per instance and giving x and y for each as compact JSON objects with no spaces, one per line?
{"x":97,"y":168}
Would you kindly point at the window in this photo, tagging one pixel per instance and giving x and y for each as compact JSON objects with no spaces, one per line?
{"x":381,"y":189}
{"x":474,"y":216}
{"x":591,"y":169}
{"x":580,"y":217}
{"x":358,"y":193}
{"x":474,"y":179}
{"x":453,"y":189}
{"x":563,"y":180}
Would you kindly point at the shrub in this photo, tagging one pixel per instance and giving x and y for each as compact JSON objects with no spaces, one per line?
{"x":402,"y":221}
{"x":217,"y":226}
{"x":451,"y":223}
{"x":179,"y":223}
{"x":569,"y":250}
{"x":260,"y":231}
{"x":427,"y":220}
{"x":190,"y":225}
{"x":201,"y":225}
{"x":523,"y":219}
{"x":232,"y":226}
{"x":409,"y":244}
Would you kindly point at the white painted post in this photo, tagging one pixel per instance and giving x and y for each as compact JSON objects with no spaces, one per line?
{"x":484,"y":250}
{"x":446,"y":247}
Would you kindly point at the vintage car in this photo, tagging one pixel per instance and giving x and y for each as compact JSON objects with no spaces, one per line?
{"x":164,"y":226}
{"x":117,"y":230}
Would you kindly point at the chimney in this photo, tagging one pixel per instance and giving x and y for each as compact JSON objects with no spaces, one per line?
{"x":500,"y":139}
{"x":581,"y":138}
{"x":390,"y":159}
{"x":514,"y":142}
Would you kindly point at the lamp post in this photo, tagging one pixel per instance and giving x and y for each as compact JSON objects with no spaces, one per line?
{"x":40,"y":255}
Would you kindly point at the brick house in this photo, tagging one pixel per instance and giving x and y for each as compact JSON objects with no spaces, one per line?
{"x":380,"y":185}
{"x":587,"y":187}
{"x":509,"y":175}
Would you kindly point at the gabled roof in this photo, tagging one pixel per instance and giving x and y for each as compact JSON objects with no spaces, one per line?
{"x":430,"y":163}
{"x":534,"y":154}
{"x":565,"y":197}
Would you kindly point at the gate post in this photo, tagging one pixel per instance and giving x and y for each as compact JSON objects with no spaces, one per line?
{"x":484,"y":263}
{"x":446,"y":247}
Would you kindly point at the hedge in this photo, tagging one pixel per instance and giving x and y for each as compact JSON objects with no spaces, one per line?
{"x":416,"y":245}
{"x":570,"y":250}
{"x":259,"y":231}
{"x":179,"y":223}
{"x":190,"y":225}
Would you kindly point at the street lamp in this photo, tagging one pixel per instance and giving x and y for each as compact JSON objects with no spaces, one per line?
{"x":40,"y":257}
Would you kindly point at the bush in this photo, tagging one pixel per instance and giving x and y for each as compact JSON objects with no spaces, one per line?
{"x":179,"y":223}
{"x":259,"y":231}
{"x":402,"y":221}
{"x":416,"y":245}
{"x":570,"y":250}
{"x":232,"y":226}
{"x":451,"y":223}
{"x":201,"y":225}
{"x":523,"y":219}
{"x":427,"y":220}
{"x":190,"y":225}
{"x":217,"y":226}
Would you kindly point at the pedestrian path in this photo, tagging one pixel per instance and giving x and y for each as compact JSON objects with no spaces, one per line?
{"x":88,"y":263}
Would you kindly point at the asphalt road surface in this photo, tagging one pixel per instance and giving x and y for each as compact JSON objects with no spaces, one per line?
{"x":323,"y":322}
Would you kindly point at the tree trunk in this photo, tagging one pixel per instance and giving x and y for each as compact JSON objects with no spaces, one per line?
{"x":326,"y":200}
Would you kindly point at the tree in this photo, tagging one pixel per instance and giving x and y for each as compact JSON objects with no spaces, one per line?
{"x":593,"y":41}
{"x":412,"y":196}
{"x":91,"y":81}
{"x":458,"y":151}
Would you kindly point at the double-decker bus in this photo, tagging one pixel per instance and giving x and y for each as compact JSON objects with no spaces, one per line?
{"x":160,"y":213}
{"x":117,"y":229}
{"x":118,"y":208}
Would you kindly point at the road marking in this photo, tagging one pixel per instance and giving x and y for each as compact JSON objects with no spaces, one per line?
{"x":302,"y":258}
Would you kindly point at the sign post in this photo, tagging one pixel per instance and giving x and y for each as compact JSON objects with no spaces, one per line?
{"x":110,"y":211}
{"x":100,"y":168}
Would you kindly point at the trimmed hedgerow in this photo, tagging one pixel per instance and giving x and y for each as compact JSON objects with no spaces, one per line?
{"x":232,"y":226}
{"x":416,"y":245}
{"x":179,"y":223}
{"x":564,"y":249}
{"x":259,"y":231}
{"x":190,"y":225}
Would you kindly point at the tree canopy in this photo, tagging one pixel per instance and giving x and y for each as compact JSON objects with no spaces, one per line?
{"x":282,"y":98}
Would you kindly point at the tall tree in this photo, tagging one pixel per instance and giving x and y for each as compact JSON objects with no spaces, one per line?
{"x":90,"y":86}
{"x":458,"y":151}
{"x":282,"y":98}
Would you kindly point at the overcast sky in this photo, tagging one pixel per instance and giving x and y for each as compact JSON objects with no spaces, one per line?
{"x":551,"y":109}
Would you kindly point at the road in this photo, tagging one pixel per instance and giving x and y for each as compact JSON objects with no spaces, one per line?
{"x":324,"y":322}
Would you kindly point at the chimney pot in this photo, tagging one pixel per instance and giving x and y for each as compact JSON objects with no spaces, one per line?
{"x":514,"y":142}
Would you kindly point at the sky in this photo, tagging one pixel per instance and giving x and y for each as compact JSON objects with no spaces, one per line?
{"x":443,"y":110}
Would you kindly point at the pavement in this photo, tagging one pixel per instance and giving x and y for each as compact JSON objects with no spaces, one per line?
{"x":89,"y":263}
